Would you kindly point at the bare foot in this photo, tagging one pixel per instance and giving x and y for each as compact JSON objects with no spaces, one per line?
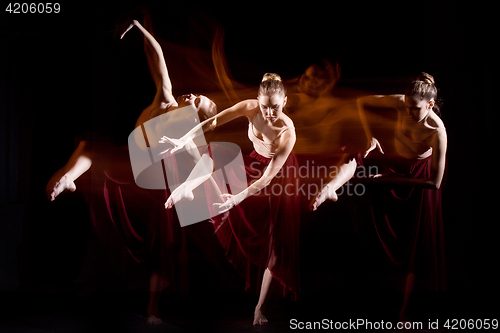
{"x":326,"y":194}
{"x":153,"y":320}
{"x":259,"y":318}
{"x":57,"y":185}
{"x":182,"y":192}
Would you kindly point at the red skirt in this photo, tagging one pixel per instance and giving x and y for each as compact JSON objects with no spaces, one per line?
{"x":408,"y":221}
{"x":151,"y":233}
{"x":263,"y":230}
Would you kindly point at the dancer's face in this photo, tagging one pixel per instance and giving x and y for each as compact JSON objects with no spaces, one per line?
{"x":271,"y":107}
{"x":314,"y":81}
{"x":417,"y":108}
{"x":201,"y":103}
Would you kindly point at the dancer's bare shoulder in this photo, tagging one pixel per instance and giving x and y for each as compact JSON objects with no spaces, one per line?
{"x":246,"y":108}
{"x":250,"y":106}
{"x":288,"y":122}
{"x":434,"y":121}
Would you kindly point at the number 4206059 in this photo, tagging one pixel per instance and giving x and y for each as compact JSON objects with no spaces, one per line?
{"x":33,"y":8}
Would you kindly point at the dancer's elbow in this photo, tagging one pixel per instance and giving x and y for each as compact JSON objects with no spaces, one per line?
{"x":433,"y":184}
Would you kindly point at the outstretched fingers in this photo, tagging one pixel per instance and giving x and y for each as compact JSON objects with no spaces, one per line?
{"x":165,"y":139}
{"x":173,"y":142}
{"x":227,"y":204}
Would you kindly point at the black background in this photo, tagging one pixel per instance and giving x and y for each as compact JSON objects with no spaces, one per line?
{"x":67,"y":74}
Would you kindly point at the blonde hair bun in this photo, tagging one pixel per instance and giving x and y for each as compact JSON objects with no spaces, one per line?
{"x":271,"y":76}
{"x":427,"y":78}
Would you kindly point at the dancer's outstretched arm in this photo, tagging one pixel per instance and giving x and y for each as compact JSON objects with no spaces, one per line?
{"x":244,"y":108}
{"x":153,"y":58}
{"x":156,"y":63}
{"x":285,"y":146}
{"x":159,"y":72}
{"x":240,"y":109}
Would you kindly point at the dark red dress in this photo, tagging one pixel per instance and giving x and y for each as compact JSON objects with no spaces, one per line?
{"x":263,"y":230}
{"x":151,"y":233}
{"x":408,"y":221}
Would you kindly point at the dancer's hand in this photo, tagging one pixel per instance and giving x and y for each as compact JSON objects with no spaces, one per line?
{"x":381,"y":177}
{"x":229,"y":202}
{"x":177,"y":143}
{"x":373,"y":144}
{"x":134,"y":22}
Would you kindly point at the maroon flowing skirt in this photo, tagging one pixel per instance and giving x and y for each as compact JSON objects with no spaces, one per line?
{"x":151,"y":233}
{"x":263,"y":230}
{"x":408,"y":221}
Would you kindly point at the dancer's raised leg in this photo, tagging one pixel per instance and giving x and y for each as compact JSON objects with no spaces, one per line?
{"x":79,"y":162}
{"x":328,"y":192}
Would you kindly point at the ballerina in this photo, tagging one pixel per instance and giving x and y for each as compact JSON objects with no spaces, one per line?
{"x":115,"y":162}
{"x":413,"y":170}
{"x":262,"y":228}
